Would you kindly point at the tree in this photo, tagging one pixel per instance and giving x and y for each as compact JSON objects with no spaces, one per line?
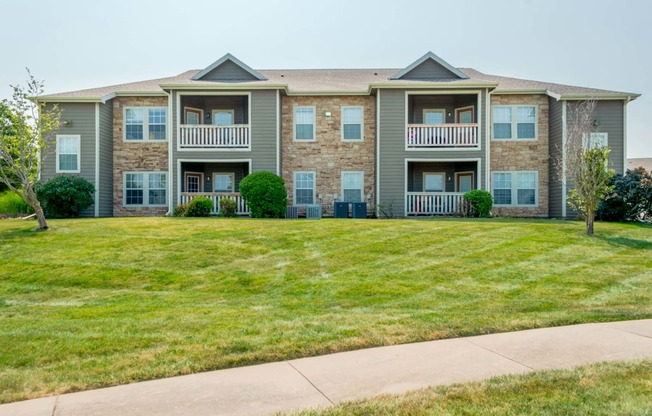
{"x":631,"y":198}
{"x":583,"y":163}
{"x":26,"y":126}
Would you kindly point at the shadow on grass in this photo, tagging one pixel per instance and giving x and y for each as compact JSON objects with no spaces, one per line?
{"x":627,"y":242}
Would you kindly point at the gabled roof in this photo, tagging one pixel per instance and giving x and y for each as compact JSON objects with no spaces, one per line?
{"x":429,"y":66}
{"x":232,"y":68}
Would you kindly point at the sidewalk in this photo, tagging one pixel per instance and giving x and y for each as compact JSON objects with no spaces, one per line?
{"x":322,"y":381}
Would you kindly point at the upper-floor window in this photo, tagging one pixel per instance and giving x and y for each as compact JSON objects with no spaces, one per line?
{"x":304,"y":123}
{"x":145,"y":123}
{"x":352,"y":123}
{"x":514,"y":122}
{"x":515,"y":188}
{"x":434,"y":116}
{"x":68,"y":149}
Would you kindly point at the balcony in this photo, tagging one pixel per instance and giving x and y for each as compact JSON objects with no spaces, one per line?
{"x":234,"y":137}
{"x":436,"y":136}
{"x":434,"y":203}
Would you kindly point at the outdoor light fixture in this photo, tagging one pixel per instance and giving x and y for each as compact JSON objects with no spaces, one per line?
{"x":328,"y":114}
{"x":67,"y":123}
{"x":595,"y":123}
{"x":208,"y":116}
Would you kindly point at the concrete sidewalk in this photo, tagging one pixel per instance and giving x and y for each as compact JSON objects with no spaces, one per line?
{"x":322,"y":381}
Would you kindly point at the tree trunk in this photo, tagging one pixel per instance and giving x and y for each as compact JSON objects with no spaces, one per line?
{"x":590,"y":217}
{"x":30,"y":198}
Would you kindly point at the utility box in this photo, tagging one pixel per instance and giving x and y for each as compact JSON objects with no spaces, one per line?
{"x":313,"y":212}
{"x":359,"y":210}
{"x":341,"y":210}
{"x":292,"y":213}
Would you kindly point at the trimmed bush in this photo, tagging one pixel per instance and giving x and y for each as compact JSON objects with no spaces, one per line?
{"x":65,"y":196}
{"x":479,"y":203}
{"x":200,"y":206}
{"x":228,"y":208}
{"x":630,"y":199}
{"x":180,"y":210}
{"x":265,"y":194}
{"x":13,"y":205}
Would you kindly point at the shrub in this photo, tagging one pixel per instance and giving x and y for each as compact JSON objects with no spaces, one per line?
{"x":265,"y":193}
{"x":228,"y":207}
{"x":200,"y":206}
{"x":479,"y":203}
{"x":13,"y":205}
{"x":630,"y":199}
{"x":180,"y":210}
{"x":65,"y":196}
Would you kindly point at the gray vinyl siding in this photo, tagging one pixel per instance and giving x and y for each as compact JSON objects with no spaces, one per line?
{"x":429,"y":69}
{"x":106,"y":160}
{"x":555,"y":137}
{"x":392,"y":154}
{"x":82,"y":117}
{"x":228,"y":71}
{"x":263,"y":137}
{"x":610,"y":116}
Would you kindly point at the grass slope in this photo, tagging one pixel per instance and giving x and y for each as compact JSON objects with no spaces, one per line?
{"x":604,"y":389}
{"x":102,"y":302}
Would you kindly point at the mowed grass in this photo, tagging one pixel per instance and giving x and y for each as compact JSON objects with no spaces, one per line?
{"x":604,"y":389}
{"x":98,"y":302}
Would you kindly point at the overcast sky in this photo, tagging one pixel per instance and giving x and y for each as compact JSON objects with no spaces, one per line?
{"x":75,"y":44}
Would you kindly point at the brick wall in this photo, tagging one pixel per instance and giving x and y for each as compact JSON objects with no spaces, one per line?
{"x":328,"y":155}
{"x":530,"y":155}
{"x":135,"y":156}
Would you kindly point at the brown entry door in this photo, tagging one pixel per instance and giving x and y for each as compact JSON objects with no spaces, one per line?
{"x":464,"y":182}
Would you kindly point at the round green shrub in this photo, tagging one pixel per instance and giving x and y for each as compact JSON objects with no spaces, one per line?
{"x":265,"y":194}
{"x":479,"y":203}
{"x":65,"y":196}
{"x":200,"y":206}
{"x":228,"y":208}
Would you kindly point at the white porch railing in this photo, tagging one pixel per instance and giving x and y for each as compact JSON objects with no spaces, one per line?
{"x":214,"y":137}
{"x":442,"y":135}
{"x":242,"y":208}
{"x":433,"y":203}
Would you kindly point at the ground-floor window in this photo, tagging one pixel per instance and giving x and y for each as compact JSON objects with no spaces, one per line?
{"x":433,"y":181}
{"x":304,"y":188}
{"x":516,"y":188}
{"x":223,"y":182}
{"x":145,"y":189}
{"x":352,"y":186}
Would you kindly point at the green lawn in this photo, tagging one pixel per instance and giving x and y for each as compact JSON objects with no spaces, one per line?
{"x":102,"y":302}
{"x":604,"y":389}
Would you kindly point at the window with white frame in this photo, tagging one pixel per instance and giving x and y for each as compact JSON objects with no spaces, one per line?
{"x":145,"y":189}
{"x":516,"y":122}
{"x":352,"y":123}
{"x":352,"y":186}
{"x":145,"y":123}
{"x":68,"y":150}
{"x":515,"y":188}
{"x":304,"y":188}
{"x":304,"y":123}
{"x":596,"y":140}
{"x":223,"y":182}
{"x":434,"y":116}
{"x":433,"y":181}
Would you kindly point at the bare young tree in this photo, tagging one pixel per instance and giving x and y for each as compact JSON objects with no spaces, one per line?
{"x":26,"y":127}
{"x":583,"y":163}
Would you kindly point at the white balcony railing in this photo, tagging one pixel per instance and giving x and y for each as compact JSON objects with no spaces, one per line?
{"x":433,"y":203}
{"x":214,"y":137}
{"x":242,"y":208}
{"x":442,"y":135}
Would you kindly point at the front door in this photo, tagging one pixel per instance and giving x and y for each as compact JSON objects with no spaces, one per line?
{"x":194,"y":182}
{"x":464,"y":181}
{"x":464,"y":115}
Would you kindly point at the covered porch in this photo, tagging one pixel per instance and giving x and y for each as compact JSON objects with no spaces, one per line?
{"x":214,"y":180}
{"x":436,"y":188}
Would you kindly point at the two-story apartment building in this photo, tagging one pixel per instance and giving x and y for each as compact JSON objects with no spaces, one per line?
{"x":408,"y":141}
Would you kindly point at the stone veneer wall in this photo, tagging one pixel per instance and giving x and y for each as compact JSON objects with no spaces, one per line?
{"x":531,"y":155}
{"x":328,"y":155}
{"x":143,"y":156}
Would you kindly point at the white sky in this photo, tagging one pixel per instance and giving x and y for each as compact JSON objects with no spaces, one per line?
{"x":76,"y":44}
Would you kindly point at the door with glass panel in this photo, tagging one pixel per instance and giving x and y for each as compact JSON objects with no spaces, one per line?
{"x":464,"y":182}
{"x":194,"y":182}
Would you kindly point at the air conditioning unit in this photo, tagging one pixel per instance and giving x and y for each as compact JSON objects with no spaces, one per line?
{"x":292,"y":213}
{"x":341,"y":210}
{"x":359,"y":210}
{"x":313,"y":212}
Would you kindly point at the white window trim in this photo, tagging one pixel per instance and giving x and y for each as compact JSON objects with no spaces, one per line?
{"x":145,"y":124}
{"x":515,"y":122}
{"x":294,"y":187}
{"x":219,"y":110}
{"x":75,"y":136}
{"x":231,"y":174}
{"x":443,"y":182}
{"x":145,"y":189}
{"x":294,"y":123}
{"x":514,"y":188}
{"x":201,"y":180}
{"x":593,"y":139}
{"x":470,"y":108}
{"x":359,"y":172}
{"x":342,"y":108}
{"x":433,"y":110}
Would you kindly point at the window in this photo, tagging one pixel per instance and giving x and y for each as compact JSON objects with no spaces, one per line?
{"x":352,"y":124}
{"x":145,"y":189}
{"x":68,"y":149}
{"x":352,"y":186}
{"x":223,"y":182}
{"x":597,"y":140}
{"x":304,"y":123}
{"x":193,"y":115}
{"x":222,"y":117}
{"x":434,"y":116}
{"x":433,"y":182}
{"x":464,"y":115}
{"x":304,"y":188}
{"x":515,"y":188}
{"x":514,"y":122}
{"x":145,"y":123}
